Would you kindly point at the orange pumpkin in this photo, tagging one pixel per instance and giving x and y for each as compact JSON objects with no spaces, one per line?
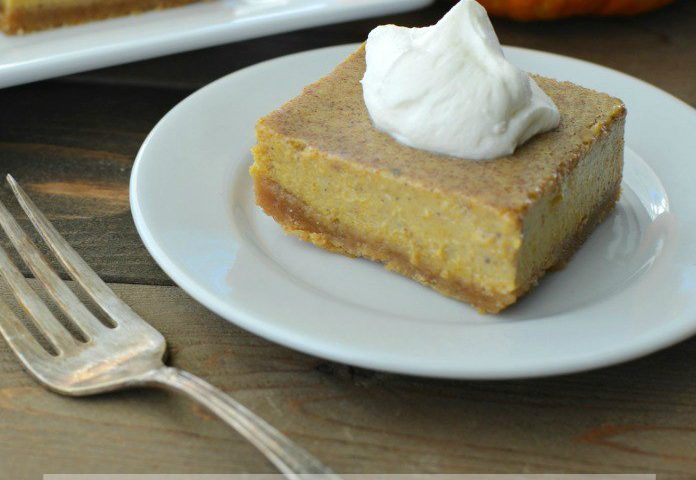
{"x":551,"y":9}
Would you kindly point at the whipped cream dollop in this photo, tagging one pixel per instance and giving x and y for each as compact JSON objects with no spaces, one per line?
{"x":449,"y":89}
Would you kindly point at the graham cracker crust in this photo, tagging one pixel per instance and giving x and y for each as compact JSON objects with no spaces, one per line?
{"x":297,"y":219}
{"x":18,"y":21}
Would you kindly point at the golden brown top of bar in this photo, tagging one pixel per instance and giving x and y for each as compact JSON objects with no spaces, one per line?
{"x":330,"y":116}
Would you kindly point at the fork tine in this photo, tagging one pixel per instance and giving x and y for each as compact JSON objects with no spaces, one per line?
{"x":95,"y":287}
{"x":51,"y":328}
{"x":64,"y":297}
{"x":20,"y":339}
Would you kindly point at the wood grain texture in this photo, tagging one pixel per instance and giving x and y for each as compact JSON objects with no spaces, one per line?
{"x":71,"y":143}
{"x":72,"y":147}
{"x":638,"y":417}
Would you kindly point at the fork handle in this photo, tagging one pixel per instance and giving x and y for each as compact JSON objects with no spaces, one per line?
{"x":290,"y":459}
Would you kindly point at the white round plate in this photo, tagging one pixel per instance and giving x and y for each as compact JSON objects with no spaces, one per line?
{"x":630,"y":290}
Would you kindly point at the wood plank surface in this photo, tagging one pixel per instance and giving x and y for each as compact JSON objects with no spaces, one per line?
{"x":72,"y":146}
{"x":637,"y":417}
{"x":71,"y":143}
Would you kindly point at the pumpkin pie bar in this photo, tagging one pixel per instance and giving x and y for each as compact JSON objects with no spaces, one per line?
{"x":480,"y":231}
{"x":20,"y":16}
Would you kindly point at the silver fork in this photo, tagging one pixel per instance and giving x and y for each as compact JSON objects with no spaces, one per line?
{"x":129,"y":353}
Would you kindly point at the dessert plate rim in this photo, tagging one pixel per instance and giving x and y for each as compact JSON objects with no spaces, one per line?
{"x":196,"y":220}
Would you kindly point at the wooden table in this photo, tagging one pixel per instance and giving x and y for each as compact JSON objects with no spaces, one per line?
{"x":71,"y":142}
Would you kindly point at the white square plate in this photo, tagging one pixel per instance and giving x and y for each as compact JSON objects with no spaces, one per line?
{"x":67,"y":50}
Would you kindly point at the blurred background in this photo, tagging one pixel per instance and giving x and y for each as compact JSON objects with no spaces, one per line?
{"x":658,"y":46}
